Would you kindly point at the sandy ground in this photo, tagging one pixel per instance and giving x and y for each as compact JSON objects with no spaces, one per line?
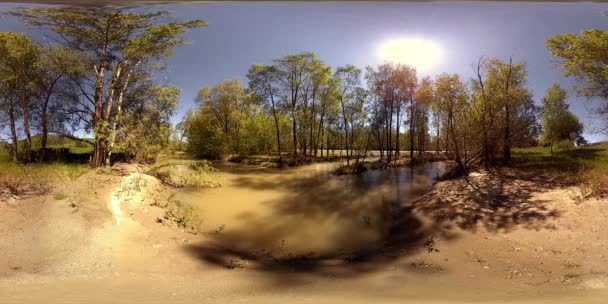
{"x":508,"y":238}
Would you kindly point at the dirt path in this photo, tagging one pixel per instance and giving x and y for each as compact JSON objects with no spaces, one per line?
{"x":499,"y":240}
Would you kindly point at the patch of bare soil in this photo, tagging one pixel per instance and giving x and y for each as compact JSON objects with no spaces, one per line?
{"x":490,"y":238}
{"x":532,"y":230}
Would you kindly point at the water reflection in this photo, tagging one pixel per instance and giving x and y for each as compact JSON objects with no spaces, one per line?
{"x":307,"y":210}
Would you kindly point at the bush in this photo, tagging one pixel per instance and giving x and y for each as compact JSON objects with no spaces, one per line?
{"x":204,"y":140}
{"x":187,"y":173}
{"x":594,"y":183}
{"x":565,"y":145}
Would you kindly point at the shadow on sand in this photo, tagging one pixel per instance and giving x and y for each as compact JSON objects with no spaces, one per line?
{"x":375,"y":231}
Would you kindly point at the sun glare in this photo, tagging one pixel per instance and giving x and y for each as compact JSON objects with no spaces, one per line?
{"x":423,"y":54}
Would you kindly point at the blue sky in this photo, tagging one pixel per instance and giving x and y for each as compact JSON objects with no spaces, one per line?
{"x":240,"y":34}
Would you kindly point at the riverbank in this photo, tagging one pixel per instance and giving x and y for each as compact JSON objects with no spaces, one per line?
{"x":302,"y":235}
{"x":338,"y":156}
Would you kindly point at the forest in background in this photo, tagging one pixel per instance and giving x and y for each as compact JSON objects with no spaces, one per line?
{"x":97,"y":78}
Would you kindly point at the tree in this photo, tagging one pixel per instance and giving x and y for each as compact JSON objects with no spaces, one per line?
{"x":205,"y":139}
{"x":348,"y":81}
{"x":56,"y":65}
{"x":424,"y":97}
{"x":327,"y":110}
{"x":407,"y":87}
{"x":501,"y":107}
{"x":394,"y":87}
{"x":505,"y":83}
{"x":484,"y":110}
{"x":452,"y":106}
{"x":8,"y":89}
{"x":146,"y":133}
{"x":118,"y":42}
{"x":20,"y":54}
{"x":293,"y":74}
{"x":262,"y":83}
{"x":295,"y":85}
{"x":230,"y":105}
{"x":584,"y":58}
{"x":558,"y":123}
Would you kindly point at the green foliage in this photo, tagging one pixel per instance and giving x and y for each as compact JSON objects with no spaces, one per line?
{"x":146,"y":131}
{"x":179,"y":213}
{"x":227,"y":106}
{"x":230,"y":121}
{"x":588,"y":157}
{"x":122,"y":46}
{"x":20,"y":55}
{"x":188,"y":173}
{"x":301,"y":89}
{"x":205,"y":139}
{"x":586,"y":166}
{"x":59,"y":196}
{"x":34,"y":179}
{"x":584,"y":58}
{"x":560,"y":126}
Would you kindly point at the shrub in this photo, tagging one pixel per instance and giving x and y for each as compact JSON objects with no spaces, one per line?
{"x":188,"y":173}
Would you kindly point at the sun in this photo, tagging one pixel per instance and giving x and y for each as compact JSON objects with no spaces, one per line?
{"x":423,"y":54}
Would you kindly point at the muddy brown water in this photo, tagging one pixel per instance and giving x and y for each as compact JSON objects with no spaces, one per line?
{"x":305,"y":210}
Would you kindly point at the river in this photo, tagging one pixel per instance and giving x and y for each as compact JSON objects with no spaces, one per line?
{"x":305,"y":210}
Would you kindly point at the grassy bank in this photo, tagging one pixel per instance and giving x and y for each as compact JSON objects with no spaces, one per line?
{"x":183,"y":172}
{"x":34,"y":179}
{"x":586,"y":166}
{"x":591,"y":157}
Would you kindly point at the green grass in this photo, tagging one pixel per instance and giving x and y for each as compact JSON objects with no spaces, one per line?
{"x":37,"y":179}
{"x":588,"y":157}
{"x":187,"y":173}
{"x":59,"y":196}
{"x":587,"y":166}
{"x":23,"y":179}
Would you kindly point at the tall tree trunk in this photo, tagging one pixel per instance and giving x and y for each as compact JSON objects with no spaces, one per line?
{"x":320,"y":133}
{"x":11,"y":115}
{"x":118,"y":117}
{"x":412,"y":121}
{"x":507,"y":127}
{"x":294,"y":101}
{"x":507,"y":139}
{"x":345,"y":129}
{"x":397,"y":133}
{"x":98,"y":121}
{"x":320,"y":142}
{"x":313,"y":151}
{"x":295,"y":138}
{"x":454,"y":138}
{"x":380,"y":143}
{"x":276,"y":125}
{"x":389,"y":137}
{"x":45,"y":131}
{"x":276,"y":121}
{"x":484,"y":119}
{"x":26,"y":124}
{"x":327,"y":142}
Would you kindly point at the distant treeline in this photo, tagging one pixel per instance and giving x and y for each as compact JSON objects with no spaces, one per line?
{"x":97,"y":77}
{"x":298,"y":104}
